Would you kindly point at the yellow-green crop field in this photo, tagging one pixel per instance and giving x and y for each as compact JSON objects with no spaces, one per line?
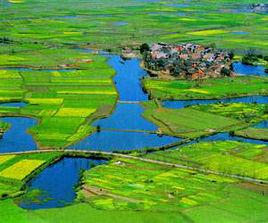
{"x":15,"y":170}
{"x":206,"y":89}
{"x":63,"y":101}
{"x":229,"y":157}
{"x":5,"y":158}
{"x":21,"y":169}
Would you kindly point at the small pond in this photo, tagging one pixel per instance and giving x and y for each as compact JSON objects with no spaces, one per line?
{"x":16,"y":138}
{"x":243,"y":69}
{"x":56,"y":185}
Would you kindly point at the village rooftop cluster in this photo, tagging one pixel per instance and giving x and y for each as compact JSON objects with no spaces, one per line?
{"x":189,"y":60}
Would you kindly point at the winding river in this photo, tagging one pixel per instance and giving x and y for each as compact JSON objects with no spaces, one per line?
{"x":124,"y":129}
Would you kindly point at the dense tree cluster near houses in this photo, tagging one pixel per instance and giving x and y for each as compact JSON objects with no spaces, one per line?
{"x":189,"y":60}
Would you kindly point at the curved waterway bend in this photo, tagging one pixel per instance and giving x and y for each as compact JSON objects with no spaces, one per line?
{"x":128,"y":131}
{"x":16,"y":138}
{"x":125,"y":128}
{"x":55,"y":186}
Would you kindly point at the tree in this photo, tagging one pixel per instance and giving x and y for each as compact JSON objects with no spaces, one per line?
{"x":144,"y":48}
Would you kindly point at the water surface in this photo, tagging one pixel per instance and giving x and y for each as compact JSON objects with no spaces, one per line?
{"x":116,"y":141}
{"x":184,"y":103}
{"x":127,"y":117}
{"x":16,"y":138}
{"x":227,"y":136}
{"x":14,"y":104}
{"x":57,"y":183}
{"x":263,"y":124}
{"x":246,"y":70}
{"x":127,"y":78}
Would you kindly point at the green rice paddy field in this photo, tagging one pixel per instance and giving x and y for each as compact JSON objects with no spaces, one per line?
{"x":206,"y":89}
{"x":141,"y":191}
{"x":200,"y":120}
{"x":135,"y":185}
{"x":65,"y":89}
{"x":52,"y":94}
{"x":107,"y":24}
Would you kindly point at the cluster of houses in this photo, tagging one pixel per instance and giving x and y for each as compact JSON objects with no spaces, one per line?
{"x":189,"y":60}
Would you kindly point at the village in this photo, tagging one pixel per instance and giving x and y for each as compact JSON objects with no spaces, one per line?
{"x":191,"y":61}
{"x":133,"y":111}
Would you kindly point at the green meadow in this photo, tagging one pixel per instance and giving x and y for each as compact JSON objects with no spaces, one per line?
{"x":229,"y":157}
{"x":65,"y":88}
{"x":206,"y":89}
{"x":114,"y":24}
{"x":135,"y":185}
{"x":253,"y":133}
{"x":248,"y":112}
{"x":189,"y":122}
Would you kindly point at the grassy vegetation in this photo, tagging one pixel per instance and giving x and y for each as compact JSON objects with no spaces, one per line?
{"x":64,"y":101}
{"x":10,"y":213}
{"x":135,"y":185}
{"x":206,"y":89}
{"x":66,"y":89}
{"x":3,"y":127}
{"x":110,"y":25}
{"x":15,"y":170}
{"x":137,"y":191}
{"x":248,"y":112}
{"x":230,"y":157}
{"x":188,"y":122}
{"x":253,"y":133}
